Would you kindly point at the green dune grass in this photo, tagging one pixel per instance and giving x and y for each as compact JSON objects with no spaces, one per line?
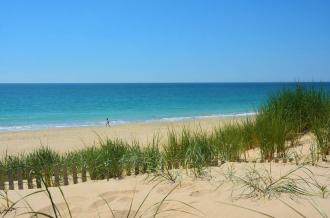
{"x":282,"y":119}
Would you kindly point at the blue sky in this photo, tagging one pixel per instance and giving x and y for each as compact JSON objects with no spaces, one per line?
{"x":164,"y":41}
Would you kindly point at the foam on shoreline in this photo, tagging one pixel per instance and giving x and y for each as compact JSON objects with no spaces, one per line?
{"x":114,"y":122}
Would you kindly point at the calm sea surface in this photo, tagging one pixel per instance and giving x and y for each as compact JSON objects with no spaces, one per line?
{"x":34,"y":106}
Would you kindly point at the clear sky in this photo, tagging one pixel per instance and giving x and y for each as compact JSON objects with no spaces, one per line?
{"x":164,"y":40}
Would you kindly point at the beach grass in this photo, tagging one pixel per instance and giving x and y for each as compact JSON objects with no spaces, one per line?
{"x":228,"y":141}
{"x":301,"y":107}
{"x":283,"y":118}
{"x":287,"y":115}
{"x":321,"y":130}
{"x":280,"y":121}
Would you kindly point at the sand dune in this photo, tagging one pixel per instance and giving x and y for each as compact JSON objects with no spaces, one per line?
{"x":208,"y":196}
{"x":215,"y":194}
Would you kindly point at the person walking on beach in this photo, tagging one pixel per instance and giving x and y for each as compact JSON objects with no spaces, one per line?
{"x":107,"y":123}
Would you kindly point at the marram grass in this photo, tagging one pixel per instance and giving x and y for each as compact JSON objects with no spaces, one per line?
{"x":282,"y":119}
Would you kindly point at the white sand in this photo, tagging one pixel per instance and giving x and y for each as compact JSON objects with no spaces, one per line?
{"x":205,"y":194}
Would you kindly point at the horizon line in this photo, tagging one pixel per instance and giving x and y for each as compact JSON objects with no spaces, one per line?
{"x":4,"y":83}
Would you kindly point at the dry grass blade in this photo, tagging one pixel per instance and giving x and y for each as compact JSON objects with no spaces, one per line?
{"x":35,"y":213}
{"x":108,"y":205}
{"x":130,"y":206}
{"x":54,"y":207}
{"x":188,"y":205}
{"x":158,"y":203}
{"x":246,"y":208}
{"x":178,"y":210}
{"x":162,"y":201}
{"x":66,"y":202}
{"x":26,"y":202}
{"x":16,"y":202}
{"x":145,"y":198}
{"x":314,"y":205}
{"x":294,"y":209}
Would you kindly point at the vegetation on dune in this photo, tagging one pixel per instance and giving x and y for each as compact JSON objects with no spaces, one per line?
{"x":228,"y":142}
{"x":322,"y":134}
{"x":271,"y":133}
{"x":278,"y":124}
{"x":287,"y":115}
{"x":301,"y":107}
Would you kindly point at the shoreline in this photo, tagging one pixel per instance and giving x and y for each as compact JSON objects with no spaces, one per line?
{"x":95,"y":124}
{"x":71,"y":138}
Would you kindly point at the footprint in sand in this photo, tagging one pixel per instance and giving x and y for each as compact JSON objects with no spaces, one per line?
{"x":199,"y":193}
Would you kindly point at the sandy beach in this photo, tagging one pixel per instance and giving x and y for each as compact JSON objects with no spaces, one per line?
{"x":164,"y":109}
{"x":219,"y":193}
{"x":65,"y":139}
{"x":264,"y":168}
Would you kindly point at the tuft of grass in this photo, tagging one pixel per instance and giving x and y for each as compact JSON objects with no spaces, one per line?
{"x":286,"y":115}
{"x":301,"y":106}
{"x":132,"y":160}
{"x":199,"y":153}
{"x":272,"y":133}
{"x":228,"y":141}
{"x":152,"y":158}
{"x":175,"y":151}
{"x":111,"y":154}
{"x":321,"y":131}
{"x":260,"y":183}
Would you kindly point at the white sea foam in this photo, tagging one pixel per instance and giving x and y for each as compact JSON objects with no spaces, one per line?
{"x":173,"y":119}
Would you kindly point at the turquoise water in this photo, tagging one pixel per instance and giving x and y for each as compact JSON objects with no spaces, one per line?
{"x":34,"y":106}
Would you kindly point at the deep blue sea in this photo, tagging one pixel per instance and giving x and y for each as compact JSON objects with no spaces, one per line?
{"x":35,"y":106}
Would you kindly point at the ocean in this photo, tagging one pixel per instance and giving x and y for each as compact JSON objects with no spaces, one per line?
{"x":37,"y":106}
